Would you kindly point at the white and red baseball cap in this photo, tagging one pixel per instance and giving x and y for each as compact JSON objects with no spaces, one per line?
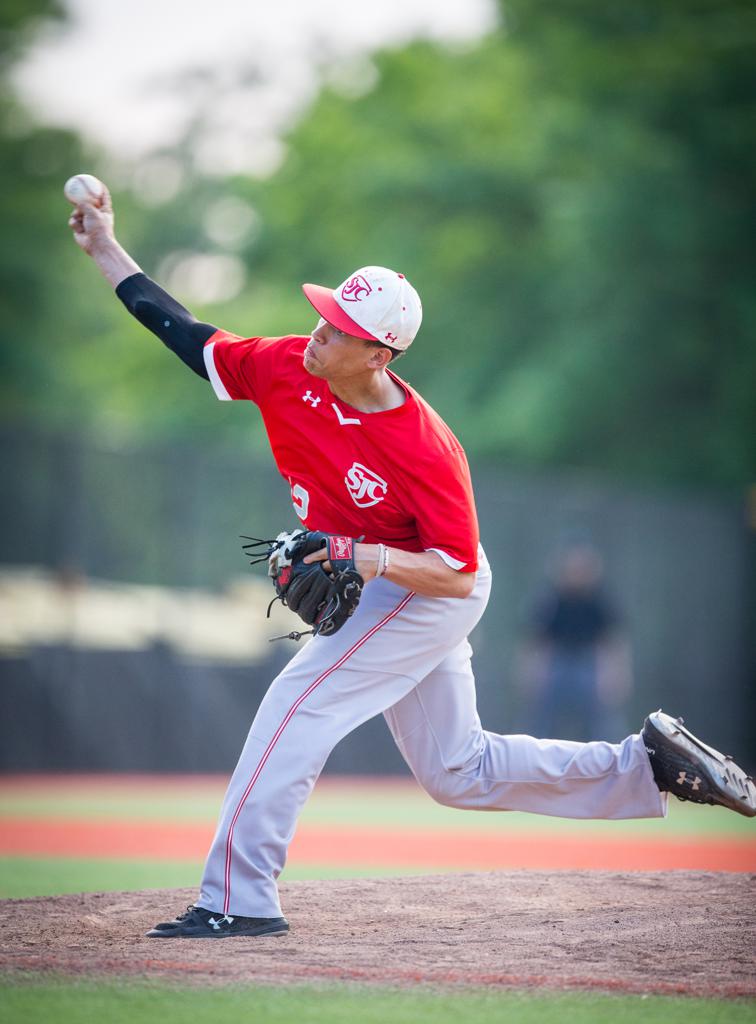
{"x":374,"y":303}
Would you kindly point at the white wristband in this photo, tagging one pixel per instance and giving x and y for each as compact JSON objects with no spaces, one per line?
{"x":381,"y":566}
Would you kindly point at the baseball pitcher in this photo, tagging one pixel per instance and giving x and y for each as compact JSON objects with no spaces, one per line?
{"x":387,"y":571}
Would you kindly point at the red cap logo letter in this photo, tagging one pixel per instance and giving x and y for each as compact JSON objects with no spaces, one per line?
{"x":356,"y":289}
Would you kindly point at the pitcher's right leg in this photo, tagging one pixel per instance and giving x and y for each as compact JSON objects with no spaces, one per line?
{"x":437,"y":728}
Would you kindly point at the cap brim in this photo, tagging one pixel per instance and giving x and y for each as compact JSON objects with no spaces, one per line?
{"x":324,"y":303}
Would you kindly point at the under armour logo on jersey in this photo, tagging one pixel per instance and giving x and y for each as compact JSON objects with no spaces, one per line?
{"x":356,"y":289}
{"x":309,"y":397}
{"x":694,"y":783}
{"x":217,"y":923}
{"x":365,"y":487}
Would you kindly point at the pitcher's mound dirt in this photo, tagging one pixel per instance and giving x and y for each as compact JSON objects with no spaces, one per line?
{"x":673,"y":932}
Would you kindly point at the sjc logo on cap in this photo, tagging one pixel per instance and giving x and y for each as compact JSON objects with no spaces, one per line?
{"x":356,"y":289}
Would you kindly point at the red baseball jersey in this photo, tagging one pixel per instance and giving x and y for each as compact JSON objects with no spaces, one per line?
{"x":399,"y":477}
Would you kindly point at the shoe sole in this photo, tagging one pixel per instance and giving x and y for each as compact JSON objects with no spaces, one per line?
{"x":207,"y":934}
{"x":732,"y":786}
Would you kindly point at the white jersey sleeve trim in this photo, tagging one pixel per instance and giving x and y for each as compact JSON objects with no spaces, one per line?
{"x":212,"y":371}
{"x":453,"y":563}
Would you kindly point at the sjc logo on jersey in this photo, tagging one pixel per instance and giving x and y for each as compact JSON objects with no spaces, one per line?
{"x":365,"y":487}
{"x":356,"y":289}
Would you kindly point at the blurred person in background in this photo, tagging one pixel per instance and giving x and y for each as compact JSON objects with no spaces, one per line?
{"x":576,"y":670}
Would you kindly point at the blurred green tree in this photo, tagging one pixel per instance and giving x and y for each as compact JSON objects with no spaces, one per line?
{"x":573,"y":198}
{"x":28,"y":161}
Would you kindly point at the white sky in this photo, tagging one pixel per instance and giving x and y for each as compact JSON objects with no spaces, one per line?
{"x":131,"y":76}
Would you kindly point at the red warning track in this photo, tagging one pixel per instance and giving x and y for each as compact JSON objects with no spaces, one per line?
{"x":377,"y":847}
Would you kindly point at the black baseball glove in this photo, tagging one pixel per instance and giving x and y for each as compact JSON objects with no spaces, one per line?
{"x":324,"y":600}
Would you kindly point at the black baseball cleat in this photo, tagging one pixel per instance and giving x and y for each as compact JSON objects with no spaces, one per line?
{"x":691,"y":770}
{"x":198,"y":923}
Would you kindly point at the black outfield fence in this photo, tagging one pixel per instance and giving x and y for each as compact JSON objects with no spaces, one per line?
{"x":679,"y":565}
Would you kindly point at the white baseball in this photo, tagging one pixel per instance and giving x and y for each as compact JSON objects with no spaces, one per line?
{"x":84,"y":188}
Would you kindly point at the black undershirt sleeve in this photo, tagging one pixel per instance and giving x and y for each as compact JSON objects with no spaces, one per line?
{"x":156,"y":310}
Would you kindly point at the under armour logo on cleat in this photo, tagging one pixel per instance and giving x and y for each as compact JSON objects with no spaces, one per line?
{"x":217,"y":924}
{"x":682,"y":778}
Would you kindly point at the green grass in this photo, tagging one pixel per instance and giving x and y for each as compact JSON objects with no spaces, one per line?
{"x":415,"y":809}
{"x":119,"y":1004}
{"x":343,"y":802}
{"x":26,"y":877}
{"x":348,"y":803}
{"x":33,"y":999}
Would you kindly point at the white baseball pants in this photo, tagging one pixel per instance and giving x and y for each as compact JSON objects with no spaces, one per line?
{"x":408,"y":657}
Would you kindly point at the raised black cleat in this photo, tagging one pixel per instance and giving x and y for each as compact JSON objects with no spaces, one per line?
{"x":689,"y":769}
